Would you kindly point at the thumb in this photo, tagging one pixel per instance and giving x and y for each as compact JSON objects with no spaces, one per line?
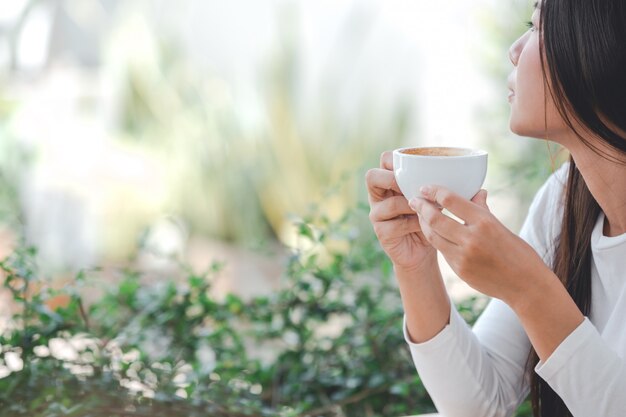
{"x":481,"y":199}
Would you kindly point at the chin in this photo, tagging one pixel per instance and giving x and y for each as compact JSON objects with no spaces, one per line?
{"x":517,"y":127}
{"x":524,"y":128}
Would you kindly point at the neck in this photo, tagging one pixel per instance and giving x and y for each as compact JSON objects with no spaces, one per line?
{"x":606,"y":180}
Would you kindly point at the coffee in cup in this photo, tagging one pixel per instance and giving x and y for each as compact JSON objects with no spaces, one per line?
{"x":460,"y":170}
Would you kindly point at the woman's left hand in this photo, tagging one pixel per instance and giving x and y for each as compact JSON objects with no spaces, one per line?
{"x":482,"y":251}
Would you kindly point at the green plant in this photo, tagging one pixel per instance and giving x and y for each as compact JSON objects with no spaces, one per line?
{"x":328,"y":344}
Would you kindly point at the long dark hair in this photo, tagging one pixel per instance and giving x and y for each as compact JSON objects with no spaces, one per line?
{"x":583,"y":59}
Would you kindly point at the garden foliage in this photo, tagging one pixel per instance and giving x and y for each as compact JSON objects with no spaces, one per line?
{"x":329,"y":343}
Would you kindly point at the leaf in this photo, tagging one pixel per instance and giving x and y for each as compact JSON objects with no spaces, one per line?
{"x":304,"y":230}
{"x":128,"y":288}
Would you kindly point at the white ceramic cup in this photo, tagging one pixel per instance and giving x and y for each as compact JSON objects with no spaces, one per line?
{"x":461,"y":170}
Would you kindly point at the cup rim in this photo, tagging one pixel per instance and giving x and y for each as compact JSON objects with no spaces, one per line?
{"x":473,"y":152}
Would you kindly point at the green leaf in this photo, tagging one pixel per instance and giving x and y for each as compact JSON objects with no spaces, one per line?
{"x":304,"y":230}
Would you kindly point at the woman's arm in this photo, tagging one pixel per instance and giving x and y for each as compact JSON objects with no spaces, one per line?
{"x":498,"y":263}
{"x":547,"y":312}
{"x":587,"y":374}
{"x":475,"y":372}
{"x":425,"y":300}
{"x":577,"y":363}
{"x":481,"y":371}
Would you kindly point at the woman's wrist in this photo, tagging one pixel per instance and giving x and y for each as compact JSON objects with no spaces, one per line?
{"x":428,"y":267}
{"x":533,"y":289}
{"x":547,"y":312}
{"x":425,"y":300}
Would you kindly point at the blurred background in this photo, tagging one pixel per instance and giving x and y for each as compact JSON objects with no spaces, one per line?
{"x":217,"y":149}
{"x":145,"y":131}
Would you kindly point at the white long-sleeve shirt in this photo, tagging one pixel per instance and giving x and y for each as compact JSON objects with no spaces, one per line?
{"x":479,"y":372}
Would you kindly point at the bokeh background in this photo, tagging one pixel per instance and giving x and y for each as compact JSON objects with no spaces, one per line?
{"x":151,"y":134}
{"x":199,"y":127}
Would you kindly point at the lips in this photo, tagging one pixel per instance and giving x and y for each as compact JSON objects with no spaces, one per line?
{"x":510,"y":85}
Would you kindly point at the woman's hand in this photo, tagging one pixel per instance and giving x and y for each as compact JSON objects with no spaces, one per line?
{"x":483,"y":252}
{"x":395,"y":223}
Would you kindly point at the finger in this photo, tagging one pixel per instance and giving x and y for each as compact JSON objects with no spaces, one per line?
{"x":481,"y":199}
{"x":399,"y":227}
{"x":386,"y":160}
{"x":390,"y":208}
{"x":454,"y":203}
{"x":439,"y":242}
{"x":379,"y":182}
{"x":443,"y":225}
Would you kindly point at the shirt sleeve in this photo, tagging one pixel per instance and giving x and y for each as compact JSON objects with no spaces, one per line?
{"x":584,"y":371}
{"x":475,"y":372}
{"x":587,"y":374}
{"x":480,"y":371}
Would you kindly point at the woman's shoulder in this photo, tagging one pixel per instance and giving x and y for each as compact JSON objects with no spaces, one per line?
{"x":543,"y":222}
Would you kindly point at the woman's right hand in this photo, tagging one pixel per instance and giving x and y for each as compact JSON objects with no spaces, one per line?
{"x":396,"y":225}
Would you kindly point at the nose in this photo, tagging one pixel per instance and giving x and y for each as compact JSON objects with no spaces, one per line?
{"x":516,"y":49}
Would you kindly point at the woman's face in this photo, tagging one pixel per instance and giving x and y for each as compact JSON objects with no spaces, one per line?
{"x":527,"y":94}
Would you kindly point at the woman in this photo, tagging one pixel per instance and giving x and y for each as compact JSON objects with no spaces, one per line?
{"x":556,"y":324}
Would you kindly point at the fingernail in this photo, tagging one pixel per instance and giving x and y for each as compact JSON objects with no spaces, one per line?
{"x":413,"y":204}
{"x":425,"y":190}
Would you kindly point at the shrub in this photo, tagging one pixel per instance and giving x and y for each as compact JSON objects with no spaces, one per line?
{"x":329,"y":343}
